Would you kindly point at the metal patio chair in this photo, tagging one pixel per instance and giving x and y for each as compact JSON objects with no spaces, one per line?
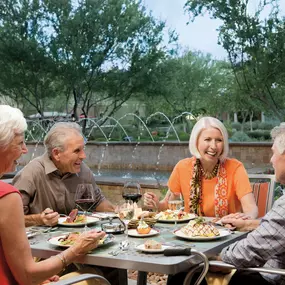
{"x":202,"y":267}
{"x":82,"y":277}
{"x":269,"y":270}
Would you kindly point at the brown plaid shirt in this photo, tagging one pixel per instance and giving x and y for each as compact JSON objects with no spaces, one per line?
{"x":264,"y":246}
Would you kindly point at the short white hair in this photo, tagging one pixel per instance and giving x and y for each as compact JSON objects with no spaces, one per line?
{"x":12,"y":122}
{"x":278,"y":135}
{"x":58,"y":135}
{"x":205,"y":123}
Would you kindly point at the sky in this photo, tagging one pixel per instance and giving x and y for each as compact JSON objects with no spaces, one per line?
{"x":198,"y":35}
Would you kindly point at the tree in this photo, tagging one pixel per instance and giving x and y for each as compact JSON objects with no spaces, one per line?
{"x":86,"y":51}
{"x":255,"y":46}
{"x":193,"y":82}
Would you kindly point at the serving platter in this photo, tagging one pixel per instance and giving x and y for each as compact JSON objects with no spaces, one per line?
{"x":223,"y":233}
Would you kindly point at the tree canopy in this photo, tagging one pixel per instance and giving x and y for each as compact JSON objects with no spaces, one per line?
{"x":88,"y":50}
{"x":255,"y":42}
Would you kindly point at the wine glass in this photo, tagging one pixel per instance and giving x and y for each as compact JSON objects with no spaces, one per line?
{"x":85,"y":199}
{"x":132,"y":191}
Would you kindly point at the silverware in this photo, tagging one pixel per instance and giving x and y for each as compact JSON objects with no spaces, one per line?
{"x":123,"y":246}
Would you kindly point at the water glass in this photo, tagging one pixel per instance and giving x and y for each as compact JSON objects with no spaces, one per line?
{"x":175,"y":205}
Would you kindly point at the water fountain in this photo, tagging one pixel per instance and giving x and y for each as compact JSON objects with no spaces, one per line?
{"x":114,"y":161}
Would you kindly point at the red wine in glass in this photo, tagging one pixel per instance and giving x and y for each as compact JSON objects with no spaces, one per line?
{"x":132,"y":197}
{"x":132,"y":191}
{"x":85,"y":199}
{"x":85,"y":204}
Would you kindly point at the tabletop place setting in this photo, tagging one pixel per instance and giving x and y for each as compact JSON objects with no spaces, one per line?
{"x":135,"y":237}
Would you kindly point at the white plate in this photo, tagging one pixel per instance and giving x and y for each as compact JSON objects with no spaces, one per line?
{"x":151,"y":250}
{"x":31,"y":234}
{"x":223,"y":233}
{"x":190,"y":217}
{"x":90,"y":220}
{"x":55,"y":240}
{"x":134,"y":233}
{"x":104,"y":215}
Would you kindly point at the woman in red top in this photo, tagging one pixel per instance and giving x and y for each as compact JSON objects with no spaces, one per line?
{"x":16,"y":262}
{"x":211,"y":184}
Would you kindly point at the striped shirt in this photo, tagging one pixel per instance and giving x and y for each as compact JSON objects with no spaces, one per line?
{"x":264,"y":246}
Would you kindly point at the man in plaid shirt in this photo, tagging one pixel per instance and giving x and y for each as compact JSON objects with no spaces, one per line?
{"x":265,"y":245}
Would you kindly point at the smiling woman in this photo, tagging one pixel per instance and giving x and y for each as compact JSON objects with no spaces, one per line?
{"x":17,"y":265}
{"x":12,"y":144}
{"x":211,"y":184}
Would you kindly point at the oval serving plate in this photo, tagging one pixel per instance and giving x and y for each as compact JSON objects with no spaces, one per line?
{"x":223,"y":233}
{"x":55,"y":240}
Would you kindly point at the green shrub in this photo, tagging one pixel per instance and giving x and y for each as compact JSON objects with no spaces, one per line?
{"x":265,"y":126}
{"x":240,"y":137}
{"x":259,"y":134}
{"x":229,"y":128}
{"x":236,"y":126}
{"x":254,"y":125}
{"x":183,"y":136}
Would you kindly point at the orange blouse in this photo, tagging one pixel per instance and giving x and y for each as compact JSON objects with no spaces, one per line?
{"x":237,"y":181}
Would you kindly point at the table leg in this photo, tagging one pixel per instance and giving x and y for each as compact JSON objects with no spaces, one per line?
{"x":142,"y":278}
{"x":123,"y":276}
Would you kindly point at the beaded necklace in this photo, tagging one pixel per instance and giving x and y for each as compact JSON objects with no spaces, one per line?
{"x":209,"y":175}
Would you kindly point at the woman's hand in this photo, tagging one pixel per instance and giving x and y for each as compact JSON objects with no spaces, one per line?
{"x":87,"y":241}
{"x":151,"y":200}
{"x":238,"y":216}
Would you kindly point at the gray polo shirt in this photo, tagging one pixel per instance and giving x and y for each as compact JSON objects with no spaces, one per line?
{"x":42,"y":186}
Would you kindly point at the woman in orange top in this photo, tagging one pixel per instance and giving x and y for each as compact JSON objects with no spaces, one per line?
{"x":211,"y":184}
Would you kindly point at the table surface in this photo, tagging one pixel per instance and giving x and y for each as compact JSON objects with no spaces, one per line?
{"x":134,"y":259}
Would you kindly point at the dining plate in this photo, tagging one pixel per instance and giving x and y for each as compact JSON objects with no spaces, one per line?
{"x":141,"y":247}
{"x":190,"y":217}
{"x":223,"y":233}
{"x":90,"y":220}
{"x":134,"y":233}
{"x":56,"y":240}
{"x":31,"y":234}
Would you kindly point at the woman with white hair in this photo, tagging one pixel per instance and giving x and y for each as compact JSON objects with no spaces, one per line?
{"x":16,"y":262}
{"x":211,"y":184}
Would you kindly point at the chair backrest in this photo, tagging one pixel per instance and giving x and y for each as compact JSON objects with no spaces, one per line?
{"x":82,"y":277}
{"x":263,"y":191}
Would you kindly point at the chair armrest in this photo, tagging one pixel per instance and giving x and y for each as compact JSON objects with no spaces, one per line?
{"x":79,"y":278}
{"x":269,"y":270}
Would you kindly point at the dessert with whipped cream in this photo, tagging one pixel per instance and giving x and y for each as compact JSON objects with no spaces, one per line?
{"x":143,"y":227}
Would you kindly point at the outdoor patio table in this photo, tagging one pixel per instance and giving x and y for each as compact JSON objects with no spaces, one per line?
{"x":136,"y":260}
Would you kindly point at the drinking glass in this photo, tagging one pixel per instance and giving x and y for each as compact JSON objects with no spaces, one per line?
{"x":132,"y":191}
{"x":176,"y":203}
{"x":85,"y":199}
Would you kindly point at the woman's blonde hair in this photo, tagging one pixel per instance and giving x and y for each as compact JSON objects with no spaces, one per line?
{"x":12,"y":122}
{"x":205,"y":123}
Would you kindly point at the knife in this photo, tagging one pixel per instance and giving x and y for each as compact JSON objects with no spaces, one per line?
{"x":177,"y":251}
